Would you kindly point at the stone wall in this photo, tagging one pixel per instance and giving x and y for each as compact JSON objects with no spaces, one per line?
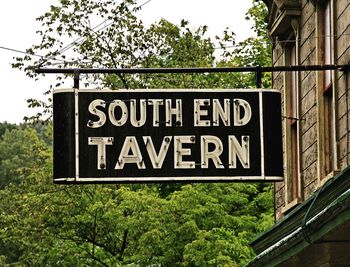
{"x":278,"y":83}
{"x":308,"y":94}
{"x":309,"y":131}
{"x":342,"y":51}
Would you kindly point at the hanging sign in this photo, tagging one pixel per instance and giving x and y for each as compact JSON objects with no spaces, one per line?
{"x":116,"y":136}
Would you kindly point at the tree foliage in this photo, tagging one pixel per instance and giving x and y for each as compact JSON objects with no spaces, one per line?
{"x":131,"y":225}
{"x":106,"y":225}
{"x":119,"y":39}
{"x":17,"y":148}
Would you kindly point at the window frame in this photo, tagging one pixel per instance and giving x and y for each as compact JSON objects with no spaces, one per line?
{"x":327,"y":128}
{"x":293,"y":189}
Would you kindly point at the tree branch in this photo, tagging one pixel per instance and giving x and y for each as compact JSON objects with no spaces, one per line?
{"x":121,"y":76}
{"x":124,"y":245}
{"x":95,"y":258}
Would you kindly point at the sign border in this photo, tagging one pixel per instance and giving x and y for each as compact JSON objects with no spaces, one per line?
{"x":114,"y":180}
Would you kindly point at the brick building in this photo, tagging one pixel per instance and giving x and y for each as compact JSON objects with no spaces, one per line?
{"x":312,"y":204}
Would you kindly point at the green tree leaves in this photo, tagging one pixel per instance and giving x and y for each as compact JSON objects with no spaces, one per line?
{"x":17,"y":148}
{"x":131,"y":225}
{"x":110,"y":225}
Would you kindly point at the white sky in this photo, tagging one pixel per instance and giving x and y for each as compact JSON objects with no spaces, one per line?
{"x":18,"y":27}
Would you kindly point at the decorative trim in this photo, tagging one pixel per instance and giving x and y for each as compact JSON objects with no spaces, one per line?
{"x":280,"y":16}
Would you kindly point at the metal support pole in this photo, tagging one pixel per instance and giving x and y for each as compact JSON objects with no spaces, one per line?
{"x":258,"y":70}
{"x":76,"y":78}
{"x":197,"y":70}
{"x":258,"y":77}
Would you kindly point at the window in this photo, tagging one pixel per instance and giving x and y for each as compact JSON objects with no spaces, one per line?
{"x":328,"y":108}
{"x":292,"y":186}
{"x":293,"y":85}
{"x":327,"y":38}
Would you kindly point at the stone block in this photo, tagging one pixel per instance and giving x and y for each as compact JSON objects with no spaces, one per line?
{"x":310,"y":189}
{"x":280,"y":198}
{"x":279,"y":213}
{"x":307,"y":13}
{"x":343,"y":147}
{"x":279,"y":186}
{"x":310,"y":174}
{"x":309,"y":157}
{"x":344,"y":58}
{"x":342,"y":109}
{"x":278,"y":81}
{"x":343,"y":41}
{"x":342,"y":7}
{"x":309,"y":137}
{"x":308,"y":55}
{"x":342,"y":126}
{"x":307,"y":31}
{"x":277,"y":55}
{"x":343,"y":163}
{"x":342,"y":21}
{"x":309,"y":100}
{"x":307,"y":83}
{"x":342,"y":83}
{"x":308,"y":119}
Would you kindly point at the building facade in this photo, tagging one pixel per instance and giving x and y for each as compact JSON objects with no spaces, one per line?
{"x":312,"y":204}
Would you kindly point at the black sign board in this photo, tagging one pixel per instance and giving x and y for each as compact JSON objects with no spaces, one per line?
{"x":116,"y":136}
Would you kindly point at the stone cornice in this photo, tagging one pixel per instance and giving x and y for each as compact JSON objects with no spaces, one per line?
{"x":280,"y":15}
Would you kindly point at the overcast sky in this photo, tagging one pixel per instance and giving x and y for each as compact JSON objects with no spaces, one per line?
{"x":18,"y":27}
